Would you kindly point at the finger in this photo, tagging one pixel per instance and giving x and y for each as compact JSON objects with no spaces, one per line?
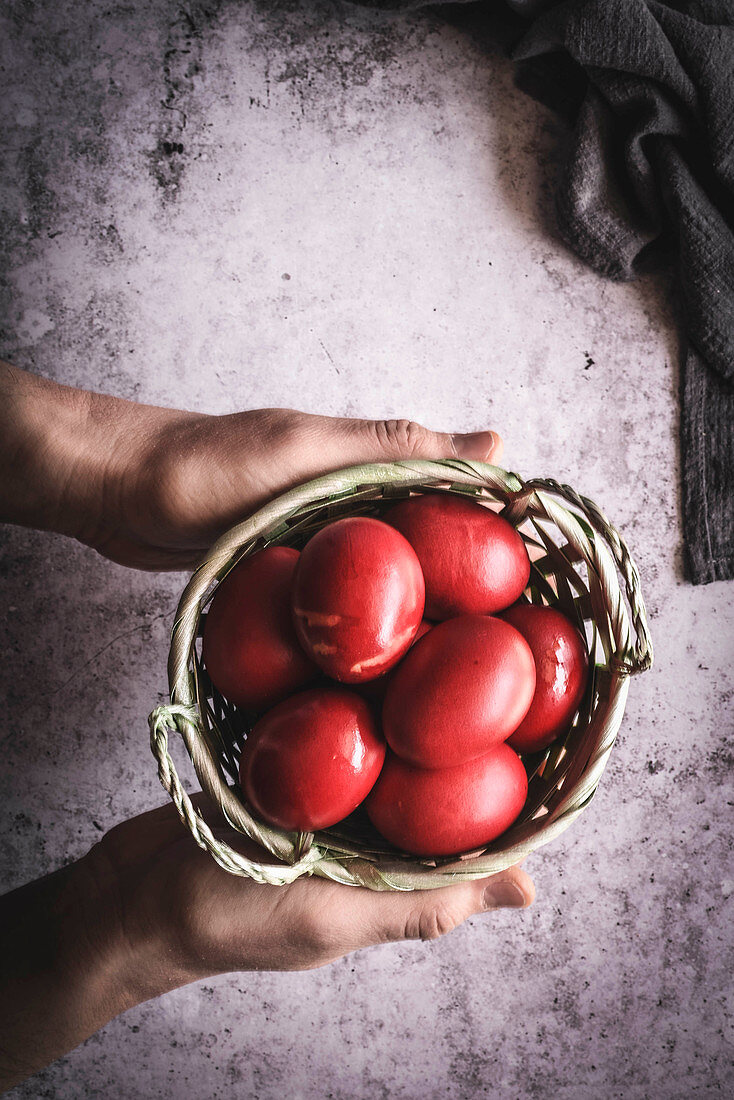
{"x":428,"y":914}
{"x":380,"y":440}
{"x":315,"y":444}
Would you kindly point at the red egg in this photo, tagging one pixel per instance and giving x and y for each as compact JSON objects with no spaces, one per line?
{"x":446,"y":811}
{"x":249,"y":648}
{"x":311,"y":760}
{"x":463,"y":688}
{"x":358,"y":598}
{"x":562,"y":668}
{"x":474,"y":562}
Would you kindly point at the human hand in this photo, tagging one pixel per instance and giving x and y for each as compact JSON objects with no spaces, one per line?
{"x":153,"y":488}
{"x":193,"y":476}
{"x":170,"y":898}
{"x":146,"y":911}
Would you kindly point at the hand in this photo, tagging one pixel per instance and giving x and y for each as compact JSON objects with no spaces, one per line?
{"x":166,"y":894}
{"x":153,"y":488}
{"x":198,"y":475}
{"x":146,"y":911}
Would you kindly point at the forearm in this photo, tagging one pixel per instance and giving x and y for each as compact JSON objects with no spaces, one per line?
{"x":43,"y":453}
{"x":65,"y":970}
{"x":65,"y":453}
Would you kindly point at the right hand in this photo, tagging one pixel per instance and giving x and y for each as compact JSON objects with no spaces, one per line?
{"x":192,"y":917}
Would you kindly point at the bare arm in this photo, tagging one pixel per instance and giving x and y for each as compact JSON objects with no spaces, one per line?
{"x":60,"y":980}
{"x":152,"y":487}
{"x":146,"y":911}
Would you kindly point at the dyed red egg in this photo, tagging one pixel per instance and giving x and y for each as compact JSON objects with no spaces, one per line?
{"x":312,"y":759}
{"x":474,"y":562}
{"x":358,"y":598}
{"x":446,"y":811}
{"x":249,"y":648}
{"x":463,"y":688}
{"x":562,"y":669}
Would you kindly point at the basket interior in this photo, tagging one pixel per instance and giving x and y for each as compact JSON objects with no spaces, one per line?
{"x":559,"y":577}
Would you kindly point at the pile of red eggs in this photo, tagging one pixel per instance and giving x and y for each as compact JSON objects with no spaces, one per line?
{"x":424,"y":677}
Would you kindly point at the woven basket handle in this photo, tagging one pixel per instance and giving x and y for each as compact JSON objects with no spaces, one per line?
{"x":641,"y":656}
{"x":165,"y":719}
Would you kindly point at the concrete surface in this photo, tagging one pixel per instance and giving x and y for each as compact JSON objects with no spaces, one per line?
{"x":235,"y":204}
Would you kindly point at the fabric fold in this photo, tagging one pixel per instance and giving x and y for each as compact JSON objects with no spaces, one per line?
{"x":649,"y":89}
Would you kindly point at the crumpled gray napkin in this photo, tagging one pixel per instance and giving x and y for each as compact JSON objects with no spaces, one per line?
{"x":649,"y":88}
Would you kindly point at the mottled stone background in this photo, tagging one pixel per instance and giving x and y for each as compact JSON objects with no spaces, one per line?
{"x":233,"y":204}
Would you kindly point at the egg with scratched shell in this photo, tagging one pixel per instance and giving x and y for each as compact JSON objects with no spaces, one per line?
{"x":358,"y":598}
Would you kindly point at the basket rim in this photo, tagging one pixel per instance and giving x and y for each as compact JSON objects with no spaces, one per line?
{"x":589,"y":537}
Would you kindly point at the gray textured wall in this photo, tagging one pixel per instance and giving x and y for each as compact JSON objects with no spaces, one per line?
{"x":389,"y":168}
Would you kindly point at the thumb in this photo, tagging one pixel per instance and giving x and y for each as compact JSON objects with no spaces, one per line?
{"x":428,"y":914}
{"x":284,"y":447}
{"x":383,"y":440}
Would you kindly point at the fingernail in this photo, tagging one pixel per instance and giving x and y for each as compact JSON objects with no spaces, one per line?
{"x":504,"y":895}
{"x":476,"y":445}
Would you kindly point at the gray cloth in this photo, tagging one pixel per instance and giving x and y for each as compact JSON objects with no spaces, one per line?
{"x":649,"y":89}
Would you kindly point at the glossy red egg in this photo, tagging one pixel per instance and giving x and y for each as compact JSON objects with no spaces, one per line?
{"x":446,"y":811}
{"x":463,"y":688}
{"x":474,"y":562}
{"x":358,"y":598}
{"x":562,"y":669}
{"x":312,"y":759}
{"x":249,"y":647}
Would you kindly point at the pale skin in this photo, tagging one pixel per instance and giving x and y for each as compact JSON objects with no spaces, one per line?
{"x":146,"y":911}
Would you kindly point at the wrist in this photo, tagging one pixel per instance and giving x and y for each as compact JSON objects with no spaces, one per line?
{"x":127,"y":933}
{"x":55,"y":476}
{"x":73,"y":458}
{"x":67,"y":966}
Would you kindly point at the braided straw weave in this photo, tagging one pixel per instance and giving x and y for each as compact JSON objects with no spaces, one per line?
{"x":577,"y":561}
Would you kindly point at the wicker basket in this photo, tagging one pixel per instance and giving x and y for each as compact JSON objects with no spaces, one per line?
{"x":577,"y":561}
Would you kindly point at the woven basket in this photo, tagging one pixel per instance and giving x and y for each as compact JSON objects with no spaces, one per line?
{"x":577,"y":562}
